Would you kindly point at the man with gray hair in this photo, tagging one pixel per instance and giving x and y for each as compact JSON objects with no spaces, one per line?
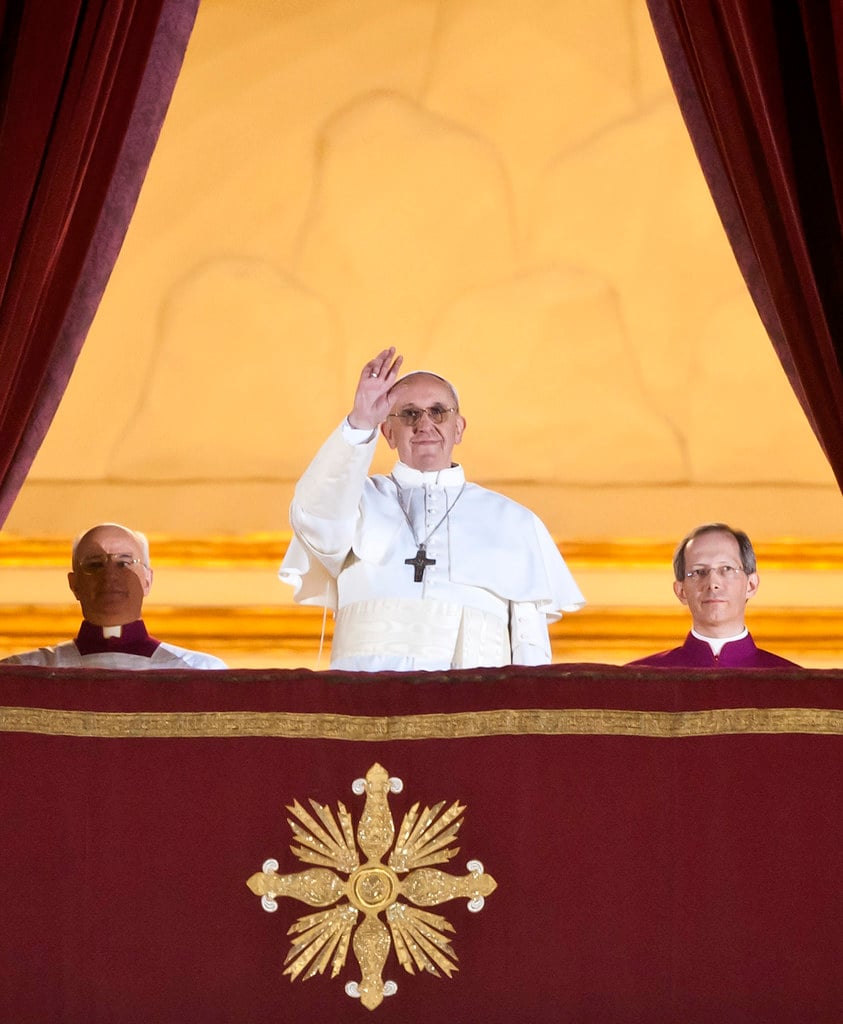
{"x":424,"y":569}
{"x":110,"y":577}
{"x":715,"y":576}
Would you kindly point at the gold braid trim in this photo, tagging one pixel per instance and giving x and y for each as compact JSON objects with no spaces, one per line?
{"x":461,"y":725}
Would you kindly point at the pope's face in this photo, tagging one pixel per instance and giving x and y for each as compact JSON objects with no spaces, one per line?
{"x":425,"y":444}
{"x":717,"y":604}
{"x":106,"y":580}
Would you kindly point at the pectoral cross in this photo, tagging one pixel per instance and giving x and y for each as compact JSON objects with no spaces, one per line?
{"x":420,"y":562}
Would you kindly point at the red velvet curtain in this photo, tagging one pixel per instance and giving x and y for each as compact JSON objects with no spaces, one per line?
{"x":84,"y":87}
{"x":759,"y":85}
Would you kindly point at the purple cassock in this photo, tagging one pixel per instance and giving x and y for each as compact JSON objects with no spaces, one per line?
{"x":131,"y":639}
{"x":695,"y":653}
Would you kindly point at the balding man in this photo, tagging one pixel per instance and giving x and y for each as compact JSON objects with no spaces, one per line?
{"x":110,"y":577}
{"x":424,"y":570}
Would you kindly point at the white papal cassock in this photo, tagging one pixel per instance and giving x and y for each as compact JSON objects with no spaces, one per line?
{"x":496,"y":582}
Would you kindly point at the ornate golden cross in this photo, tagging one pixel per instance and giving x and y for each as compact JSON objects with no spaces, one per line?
{"x":396,"y":889}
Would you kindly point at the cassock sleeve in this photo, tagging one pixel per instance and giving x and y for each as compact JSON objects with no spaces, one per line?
{"x":528,"y":636}
{"x":323,"y":515}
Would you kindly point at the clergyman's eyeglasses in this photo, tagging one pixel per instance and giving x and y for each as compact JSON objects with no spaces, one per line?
{"x":725,"y":572}
{"x":411,"y":415}
{"x":98,"y":563}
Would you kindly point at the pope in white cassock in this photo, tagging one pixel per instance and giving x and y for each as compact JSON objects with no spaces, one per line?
{"x":423,"y":569}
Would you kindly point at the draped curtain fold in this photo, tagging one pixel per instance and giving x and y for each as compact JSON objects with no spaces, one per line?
{"x":84,"y":87}
{"x":760,"y":88}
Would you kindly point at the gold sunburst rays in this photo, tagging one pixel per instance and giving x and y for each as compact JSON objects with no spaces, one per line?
{"x":322,"y":938}
{"x":328,"y":844}
{"x":424,"y":837}
{"x":397,"y":889}
{"x":420,"y":940}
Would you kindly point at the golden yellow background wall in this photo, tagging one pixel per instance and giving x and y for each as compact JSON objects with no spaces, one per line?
{"x":507,"y":193}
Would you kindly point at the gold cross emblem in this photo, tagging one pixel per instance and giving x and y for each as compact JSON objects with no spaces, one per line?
{"x":352,"y":890}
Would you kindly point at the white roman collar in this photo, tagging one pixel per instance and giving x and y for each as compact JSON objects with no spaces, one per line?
{"x":717,"y":643}
{"x":453,"y":476}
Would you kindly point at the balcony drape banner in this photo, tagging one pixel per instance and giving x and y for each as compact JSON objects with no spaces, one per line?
{"x":760,"y":86}
{"x":666,"y":848}
{"x":84,"y":88}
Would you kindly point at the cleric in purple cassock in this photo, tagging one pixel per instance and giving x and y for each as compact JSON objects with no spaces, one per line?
{"x":715,"y":576}
{"x":110,"y":577}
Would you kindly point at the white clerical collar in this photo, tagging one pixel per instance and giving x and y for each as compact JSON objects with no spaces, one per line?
{"x":717,"y":643}
{"x":453,"y":476}
{"x":108,"y":631}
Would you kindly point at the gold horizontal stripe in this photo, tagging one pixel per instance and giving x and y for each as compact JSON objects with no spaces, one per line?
{"x":463,"y":725}
{"x":266,"y":550}
{"x":219,"y":629}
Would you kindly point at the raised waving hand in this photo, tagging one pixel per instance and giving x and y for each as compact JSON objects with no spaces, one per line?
{"x":371,"y":400}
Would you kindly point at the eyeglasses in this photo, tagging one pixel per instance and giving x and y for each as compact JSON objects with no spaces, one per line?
{"x":725,"y":572}
{"x":411,"y":416}
{"x":98,"y":563}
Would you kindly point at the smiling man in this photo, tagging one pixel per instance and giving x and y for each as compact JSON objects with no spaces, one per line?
{"x":110,"y":578}
{"x":424,"y":570}
{"x":716,"y":576}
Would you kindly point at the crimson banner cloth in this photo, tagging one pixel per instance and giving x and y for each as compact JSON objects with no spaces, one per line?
{"x":666,"y":846}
